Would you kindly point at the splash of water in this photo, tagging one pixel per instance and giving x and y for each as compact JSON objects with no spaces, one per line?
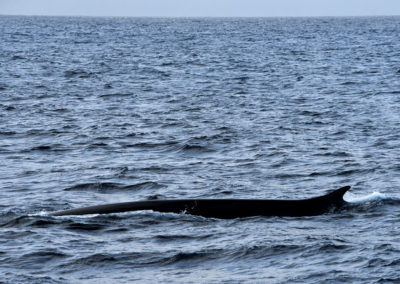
{"x":374,"y":196}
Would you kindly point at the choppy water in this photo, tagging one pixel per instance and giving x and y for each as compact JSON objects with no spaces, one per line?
{"x":99,"y":110}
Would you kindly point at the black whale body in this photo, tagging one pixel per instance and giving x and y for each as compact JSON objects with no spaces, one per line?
{"x":224,"y":208}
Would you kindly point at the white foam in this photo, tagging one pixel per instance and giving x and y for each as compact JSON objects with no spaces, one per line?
{"x":40,"y":213}
{"x":375,"y":196}
{"x":45,"y":213}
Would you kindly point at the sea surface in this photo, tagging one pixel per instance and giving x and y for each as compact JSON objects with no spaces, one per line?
{"x":102,"y":110}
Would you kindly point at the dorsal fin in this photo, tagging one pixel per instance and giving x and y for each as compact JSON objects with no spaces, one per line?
{"x":336,"y":196}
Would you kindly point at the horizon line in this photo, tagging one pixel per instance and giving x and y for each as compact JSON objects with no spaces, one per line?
{"x":183,"y":17}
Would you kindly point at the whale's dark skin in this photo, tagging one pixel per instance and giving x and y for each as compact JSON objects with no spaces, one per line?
{"x":225,"y":208}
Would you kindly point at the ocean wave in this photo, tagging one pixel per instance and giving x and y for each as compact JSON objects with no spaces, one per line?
{"x":106,"y":187}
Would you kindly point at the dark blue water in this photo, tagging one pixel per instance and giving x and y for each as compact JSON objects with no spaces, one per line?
{"x":101,"y":110}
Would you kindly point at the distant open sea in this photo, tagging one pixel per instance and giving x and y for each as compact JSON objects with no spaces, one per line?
{"x":102,"y":110}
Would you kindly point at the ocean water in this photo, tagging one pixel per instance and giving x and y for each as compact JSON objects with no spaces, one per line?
{"x":102,"y":110}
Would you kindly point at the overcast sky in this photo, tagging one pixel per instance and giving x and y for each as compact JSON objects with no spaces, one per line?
{"x":201,"y":8}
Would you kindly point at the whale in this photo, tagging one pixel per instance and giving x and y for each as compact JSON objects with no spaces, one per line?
{"x":225,"y":208}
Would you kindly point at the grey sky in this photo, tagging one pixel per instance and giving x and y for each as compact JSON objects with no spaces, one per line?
{"x":199,"y":8}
